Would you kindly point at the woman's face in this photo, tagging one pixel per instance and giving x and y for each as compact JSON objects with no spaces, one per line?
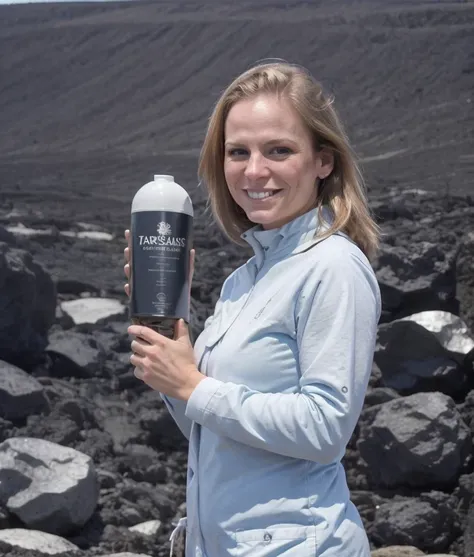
{"x":270,"y":164}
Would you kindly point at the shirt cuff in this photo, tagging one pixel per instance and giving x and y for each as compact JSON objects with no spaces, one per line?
{"x":200,"y":399}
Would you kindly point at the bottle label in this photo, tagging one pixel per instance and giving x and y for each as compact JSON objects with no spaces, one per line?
{"x":161,"y":242}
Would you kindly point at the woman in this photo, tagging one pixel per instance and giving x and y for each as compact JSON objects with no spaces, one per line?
{"x":274,"y":386}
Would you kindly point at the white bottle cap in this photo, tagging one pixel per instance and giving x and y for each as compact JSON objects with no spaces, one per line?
{"x":163,"y":194}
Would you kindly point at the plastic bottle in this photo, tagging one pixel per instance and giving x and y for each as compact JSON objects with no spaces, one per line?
{"x":161,"y":240}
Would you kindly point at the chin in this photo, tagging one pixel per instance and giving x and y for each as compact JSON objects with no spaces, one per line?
{"x":265,"y":220}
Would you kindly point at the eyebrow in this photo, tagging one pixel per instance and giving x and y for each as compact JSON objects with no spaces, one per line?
{"x":276,"y":141}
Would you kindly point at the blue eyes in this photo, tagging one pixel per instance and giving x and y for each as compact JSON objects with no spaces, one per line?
{"x":282,"y":150}
{"x":237,"y":152}
{"x":274,"y":151}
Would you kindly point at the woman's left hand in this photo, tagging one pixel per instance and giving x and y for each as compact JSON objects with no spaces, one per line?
{"x":166,"y":365}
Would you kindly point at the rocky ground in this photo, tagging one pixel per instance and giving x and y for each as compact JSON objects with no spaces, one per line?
{"x":102,"y":436}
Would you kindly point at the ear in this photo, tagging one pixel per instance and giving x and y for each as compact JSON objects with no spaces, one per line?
{"x":326,"y":163}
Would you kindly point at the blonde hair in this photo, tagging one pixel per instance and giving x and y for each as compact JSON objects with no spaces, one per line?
{"x":343,"y":191}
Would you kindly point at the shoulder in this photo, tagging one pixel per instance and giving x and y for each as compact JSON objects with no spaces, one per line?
{"x":338,"y":253}
{"x":339,"y":280}
{"x":338,"y":263}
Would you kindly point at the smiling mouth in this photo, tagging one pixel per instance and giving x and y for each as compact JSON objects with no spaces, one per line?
{"x":262,"y":194}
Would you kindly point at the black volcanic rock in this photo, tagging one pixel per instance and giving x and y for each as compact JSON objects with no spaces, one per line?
{"x":422,"y":276}
{"x":49,"y":487}
{"x":20,"y":394}
{"x":75,"y":354}
{"x":98,"y":407}
{"x":417,"y":441}
{"x":426,"y":522}
{"x":412,"y":359}
{"x":27,"y":305}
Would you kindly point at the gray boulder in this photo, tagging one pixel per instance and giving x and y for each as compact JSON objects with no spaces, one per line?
{"x":27,"y":305}
{"x":75,"y":354}
{"x":34,"y":540}
{"x":412,"y":359}
{"x":92,"y":310}
{"x":20,"y":394}
{"x":425,"y":522}
{"x":450,"y":330}
{"x":148,"y":528}
{"x":417,"y":278}
{"x":419,"y":440}
{"x":48,"y":487}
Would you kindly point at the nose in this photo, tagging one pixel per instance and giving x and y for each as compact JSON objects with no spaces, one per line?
{"x":256,"y":167}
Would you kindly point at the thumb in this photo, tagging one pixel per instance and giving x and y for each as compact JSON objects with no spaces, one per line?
{"x":181,"y":331}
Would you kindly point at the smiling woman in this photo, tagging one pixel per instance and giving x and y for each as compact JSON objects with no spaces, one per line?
{"x":272,"y":124}
{"x":271,"y":392}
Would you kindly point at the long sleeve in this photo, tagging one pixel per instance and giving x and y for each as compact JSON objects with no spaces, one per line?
{"x":336,"y":315}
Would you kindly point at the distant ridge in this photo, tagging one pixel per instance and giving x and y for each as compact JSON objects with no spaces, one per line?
{"x":140,"y":78}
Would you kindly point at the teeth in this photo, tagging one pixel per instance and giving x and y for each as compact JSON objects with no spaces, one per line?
{"x":259,"y":195}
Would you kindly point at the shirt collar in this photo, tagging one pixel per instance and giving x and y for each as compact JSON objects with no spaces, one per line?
{"x":292,"y":237}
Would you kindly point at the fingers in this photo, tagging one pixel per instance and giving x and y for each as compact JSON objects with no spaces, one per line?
{"x":128,"y":249}
{"x":139,"y":347}
{"x":138,"y":362}
{"x":181,"y":331}
{"x":126,"y":254}
{"x":138,"y":356}
{"x":146,"y":334}
{"x":178,"y":329}
{"x":126,"y":287}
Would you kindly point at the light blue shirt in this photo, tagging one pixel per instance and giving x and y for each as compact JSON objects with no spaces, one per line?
{"x":287,"y":355}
